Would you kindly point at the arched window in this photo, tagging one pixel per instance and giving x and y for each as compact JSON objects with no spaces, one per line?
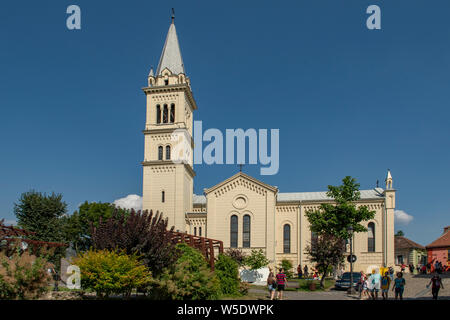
{"x":158,"y":114}
{"x":165,"y":114}
{"x":234,"y":231}
{"x":172,"y":113}
{"x":287,"y":238}
{"x":246,"y":232}
{"x":195,"y":231}
{"x":200,"y":231}
{"x":163,"y":196}
{"x":371,"y":237}
{"x":167,"y":152}
{"x":160,"y":153}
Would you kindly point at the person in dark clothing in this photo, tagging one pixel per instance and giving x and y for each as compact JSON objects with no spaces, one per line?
{"x":299,"y":271}
{"x":305,"y":271}
{"x":436,"y":284}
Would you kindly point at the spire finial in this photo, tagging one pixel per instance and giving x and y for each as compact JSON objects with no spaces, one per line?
{"x":173,"y":15}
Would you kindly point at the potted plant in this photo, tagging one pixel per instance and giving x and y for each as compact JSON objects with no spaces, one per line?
{"x":312,"y":285}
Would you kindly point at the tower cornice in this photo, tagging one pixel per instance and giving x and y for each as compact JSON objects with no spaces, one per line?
{"x":169,"y":163}
{"x":173,"y":88}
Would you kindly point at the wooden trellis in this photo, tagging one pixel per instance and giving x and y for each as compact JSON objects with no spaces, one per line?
{"x":206,"y":246}
{"x":12,"y":234}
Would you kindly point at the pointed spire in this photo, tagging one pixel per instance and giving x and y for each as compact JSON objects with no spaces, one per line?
{"x":151,"y":74}
{"x":389,"y":176}
{"x":389,"y":180}
{"x":171,"y":54}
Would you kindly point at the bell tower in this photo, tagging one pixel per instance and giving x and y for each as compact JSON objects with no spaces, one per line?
{"x":168,"y":175}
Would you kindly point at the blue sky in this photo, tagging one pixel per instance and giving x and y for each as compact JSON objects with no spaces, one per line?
{"x":347,"y":100}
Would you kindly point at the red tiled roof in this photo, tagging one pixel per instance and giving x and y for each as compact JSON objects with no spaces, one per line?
{"x":442,"y":241}
{"x":405,"y":243}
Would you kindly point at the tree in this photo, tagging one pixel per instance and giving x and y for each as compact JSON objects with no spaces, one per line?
{"x":331,"y":222}
{"x":77,"y":227}
{"x":335,"y":219}
{"x":41,"y":213}
{"x":256,"y":260}
{"x":326,"y":251}
{"x":400,"y":233}
{"x":139,"y":232}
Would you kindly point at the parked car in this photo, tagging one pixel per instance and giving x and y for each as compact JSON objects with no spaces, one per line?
{"x":344,"y":281}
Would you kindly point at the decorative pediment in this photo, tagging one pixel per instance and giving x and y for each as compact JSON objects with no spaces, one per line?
{"x":241,"y":180}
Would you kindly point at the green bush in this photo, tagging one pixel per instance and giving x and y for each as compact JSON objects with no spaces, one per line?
{"x":110,"y":272}
{"x":256,"y":260}
{"x":287,"y":266}
{"x":23,"y":276}
{"x":191,"y":279}
{"x":227,"y":272}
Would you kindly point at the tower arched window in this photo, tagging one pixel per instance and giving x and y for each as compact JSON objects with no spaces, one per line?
{"x":286,"y":238}
{"x":234,"y":231}
{"x":158,"y":114}
{"x":195,"y":231}
{"x":165,"y":114}
{"x":200,"y":231}
{"x":371,"y":237}
{"x":167,"y":152}
{"x":160,"y":153}
{"x":163,"y":196}
{"x":246,"y":232}
{"x":172,"y":113}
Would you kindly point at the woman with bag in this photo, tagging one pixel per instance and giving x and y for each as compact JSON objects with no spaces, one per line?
{"x":271,"y":284}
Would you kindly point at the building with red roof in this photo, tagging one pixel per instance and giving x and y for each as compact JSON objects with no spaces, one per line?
{"x":439,"y":249}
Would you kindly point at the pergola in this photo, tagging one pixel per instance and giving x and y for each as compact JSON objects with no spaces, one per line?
{"x":205,"y":245}
{"x":12,"y":234}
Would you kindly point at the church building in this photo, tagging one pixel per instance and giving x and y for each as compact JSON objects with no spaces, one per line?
{"x":241,"y":211}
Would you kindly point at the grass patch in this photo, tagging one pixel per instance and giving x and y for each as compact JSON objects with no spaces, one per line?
{"x":303,"y":284}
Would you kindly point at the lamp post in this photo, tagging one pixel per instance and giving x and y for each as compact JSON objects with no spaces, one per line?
{"x":351,"y":289}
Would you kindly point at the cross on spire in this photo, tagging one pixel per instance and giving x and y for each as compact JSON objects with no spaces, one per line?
{"x":173,"y":15}
{"x":240,"y":167}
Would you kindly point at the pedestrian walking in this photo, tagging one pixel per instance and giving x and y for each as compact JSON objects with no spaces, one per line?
{"x":362,"y":286}
{"x":375,"y":284}
{"x":436,"y":284}
{"x":281,"y":284}
{"x":385,"y":283}
{"x":271,"y":284}
{"x":305,"y":271}
{"x":399,"y":286}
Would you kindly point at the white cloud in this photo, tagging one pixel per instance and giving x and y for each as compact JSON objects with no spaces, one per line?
{"x":132,"y":201}
{"x":402,"y":217}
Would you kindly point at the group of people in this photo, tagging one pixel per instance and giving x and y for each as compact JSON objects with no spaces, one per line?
{"x":304,"y":273}
{"x":277,"y":283}
{"x":429,"y":268}
{"x":370,"y":286}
